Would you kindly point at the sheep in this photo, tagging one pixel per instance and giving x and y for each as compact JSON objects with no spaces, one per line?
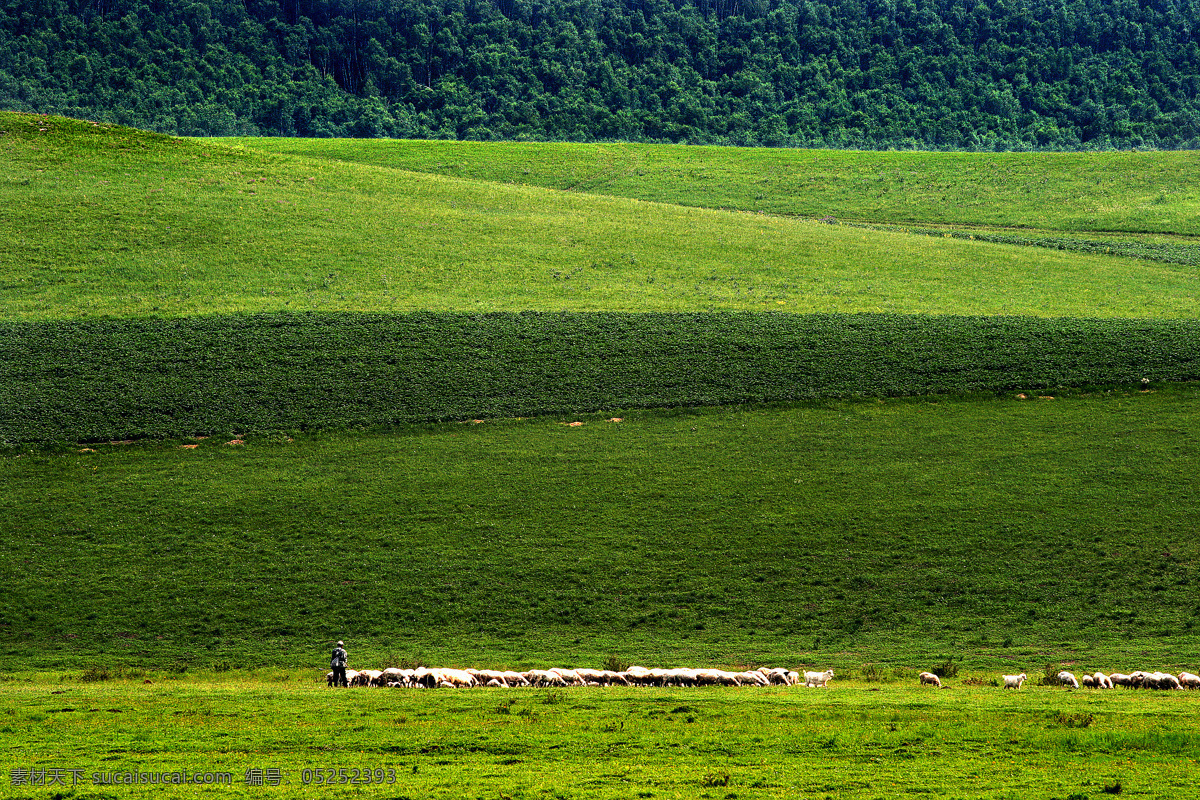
{"x":1162,"y":680}
{"x":818,"y":678}
{"x":776,"y":675}
{"x":728,"y":678}
{"x":513,"y":678}
{"x":1088,"y":681}
{"x":569,"y":675}
{"x":394,"y":675}
{"x":373,"y":677}
{"x":458,"y":678}
{"x":1067,"y":679}
{"x":427,"y":678}
{"x":1103,"y":681}
{"x":930,"y":679}
{"x":756,"y":677}
{"x":356,"y":678}
{"x":543,"y":677}
{"x":1014,"y":681}
{"x":1120,"y":679}
{"x":1189,"y":680}
{"x":679,"y":676}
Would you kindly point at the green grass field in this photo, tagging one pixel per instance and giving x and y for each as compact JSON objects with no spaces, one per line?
{"x":103,"y":221}
{"x":1093,"y":192}
{"x":267,"y":294}
{"x":860,"y":740}
{"x":997,"y":531}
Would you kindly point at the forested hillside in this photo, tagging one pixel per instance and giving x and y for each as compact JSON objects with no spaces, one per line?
{"x":975,"y":74}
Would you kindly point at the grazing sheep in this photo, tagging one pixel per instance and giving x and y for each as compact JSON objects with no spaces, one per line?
{"x":930,"y":679}
{"x":544,"y":677}
{"x":679,"y":676}
{"x":1121,"y":679}
{"x":1103,"y":681}
{"x":458,"y":678}
{"x":776,"y":676}
{"x":1067,"y":679}
{"x":818,"y":678}
{"x":1014,"y":681}
{"x":373,"y":677}
{"x":356,"y":678}
{"x":569,"y":675}
{"x":1088,"y":681}
{"x":393,"y":675}
{"x":754,"y":678}
{"x":1189,"y":680}
{"x":1162,"y":680}
{"x":513,"y":678}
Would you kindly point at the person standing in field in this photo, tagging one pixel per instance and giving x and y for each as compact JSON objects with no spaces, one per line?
{"x":337,"y":662}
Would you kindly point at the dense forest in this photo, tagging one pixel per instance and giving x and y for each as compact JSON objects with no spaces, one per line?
{"x":937,"y":74}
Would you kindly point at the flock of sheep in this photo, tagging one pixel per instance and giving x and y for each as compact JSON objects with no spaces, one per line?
{"x":434,"y":678}
{"x":1134,"y":680}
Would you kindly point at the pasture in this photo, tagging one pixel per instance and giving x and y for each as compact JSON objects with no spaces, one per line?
{"x":524,"y":405}
{"x":856,"y":739}
{"x":104,"y":221}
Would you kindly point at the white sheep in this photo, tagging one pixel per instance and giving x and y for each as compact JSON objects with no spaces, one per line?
{"x":818,"y":678}
{"x":394,"y":675}
{"x":1162,"y":680}
{"x":1014,"y":681}
{"x":569,"y":675}
{"x":930,"y":679}
{"x":543,"y":677}
{"x":777,"y":676}
{"x":1121,"y":679}
{"x":1103,"y":681}
{"x":458,"y":678}
{"x":513,"y":678}
{"x":1189,"y":680}
{"x":754,"y":678}
{"x":1067,"y":679}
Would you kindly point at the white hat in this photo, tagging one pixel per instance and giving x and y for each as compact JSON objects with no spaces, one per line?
{"x":340,"y":643}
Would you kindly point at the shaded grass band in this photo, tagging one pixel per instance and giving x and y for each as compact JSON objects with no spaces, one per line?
{"x":129,"y":378}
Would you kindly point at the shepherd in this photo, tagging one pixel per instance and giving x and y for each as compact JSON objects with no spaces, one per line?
{"x":337,"y":662}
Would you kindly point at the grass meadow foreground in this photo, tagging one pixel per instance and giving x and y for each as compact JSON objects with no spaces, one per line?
{"x":854,"y":740}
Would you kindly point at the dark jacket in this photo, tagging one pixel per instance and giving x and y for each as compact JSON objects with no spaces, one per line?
{"x":339,"y":658}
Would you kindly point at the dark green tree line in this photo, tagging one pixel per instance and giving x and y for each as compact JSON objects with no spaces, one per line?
{"x":980,"y":74}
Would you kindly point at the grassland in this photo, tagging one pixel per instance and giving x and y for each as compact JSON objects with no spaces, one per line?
{"x":1005,"y":533}
{"x":880,"y":740}
{"x":989,"y":525}
{"x":1128,"y":193}
{"x":104,"y":221}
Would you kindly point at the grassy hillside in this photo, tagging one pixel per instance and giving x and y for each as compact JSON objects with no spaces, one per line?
{"x":154,"y":287}
{"x":105,"y":221}
{"x":88,"y":380}
{"x":1005,"y":532}
{"x":1142,"y":192}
